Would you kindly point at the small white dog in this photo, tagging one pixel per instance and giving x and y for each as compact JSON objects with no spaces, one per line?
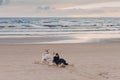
{"x":46,"y":57}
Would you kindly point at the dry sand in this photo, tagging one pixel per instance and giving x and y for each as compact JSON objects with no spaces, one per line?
{"x":92,"y":61}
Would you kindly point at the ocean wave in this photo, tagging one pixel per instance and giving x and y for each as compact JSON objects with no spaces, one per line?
{"x":70,"y":25}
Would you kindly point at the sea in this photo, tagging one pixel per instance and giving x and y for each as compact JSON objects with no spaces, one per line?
{"x":58,"y":30}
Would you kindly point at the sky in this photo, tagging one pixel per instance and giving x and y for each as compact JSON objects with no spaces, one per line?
{"x":59,"y":8}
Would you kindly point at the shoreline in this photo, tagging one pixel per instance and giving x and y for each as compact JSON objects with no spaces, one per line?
{"x":56,"y":40}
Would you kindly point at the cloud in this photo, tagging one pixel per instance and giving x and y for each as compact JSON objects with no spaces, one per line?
{"x":57,"y":2}
{"x":67,"y":13}
{"x":1,"y":2}
{"x":45,"y":8}
{"x":4,"y":2}
{"x":96,"y":12}
{"x":59,"y":8}
{"x":111,"y":9}
{"x":96,"y":5}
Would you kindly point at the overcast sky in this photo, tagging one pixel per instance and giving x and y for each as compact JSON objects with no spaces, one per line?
{"x":59,"y":8}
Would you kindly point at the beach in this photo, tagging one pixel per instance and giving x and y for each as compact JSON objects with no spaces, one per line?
{"x":82,"y":36}
{"x":91,"y":61}
{"x":90,"y":45}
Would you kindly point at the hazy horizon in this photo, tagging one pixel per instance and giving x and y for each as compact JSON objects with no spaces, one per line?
{"x":54,"y":8}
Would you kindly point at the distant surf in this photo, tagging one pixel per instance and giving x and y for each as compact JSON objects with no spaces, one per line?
{"x":59,"y":30}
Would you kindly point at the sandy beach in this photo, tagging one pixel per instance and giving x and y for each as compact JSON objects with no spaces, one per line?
{"x":92,"y":61}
